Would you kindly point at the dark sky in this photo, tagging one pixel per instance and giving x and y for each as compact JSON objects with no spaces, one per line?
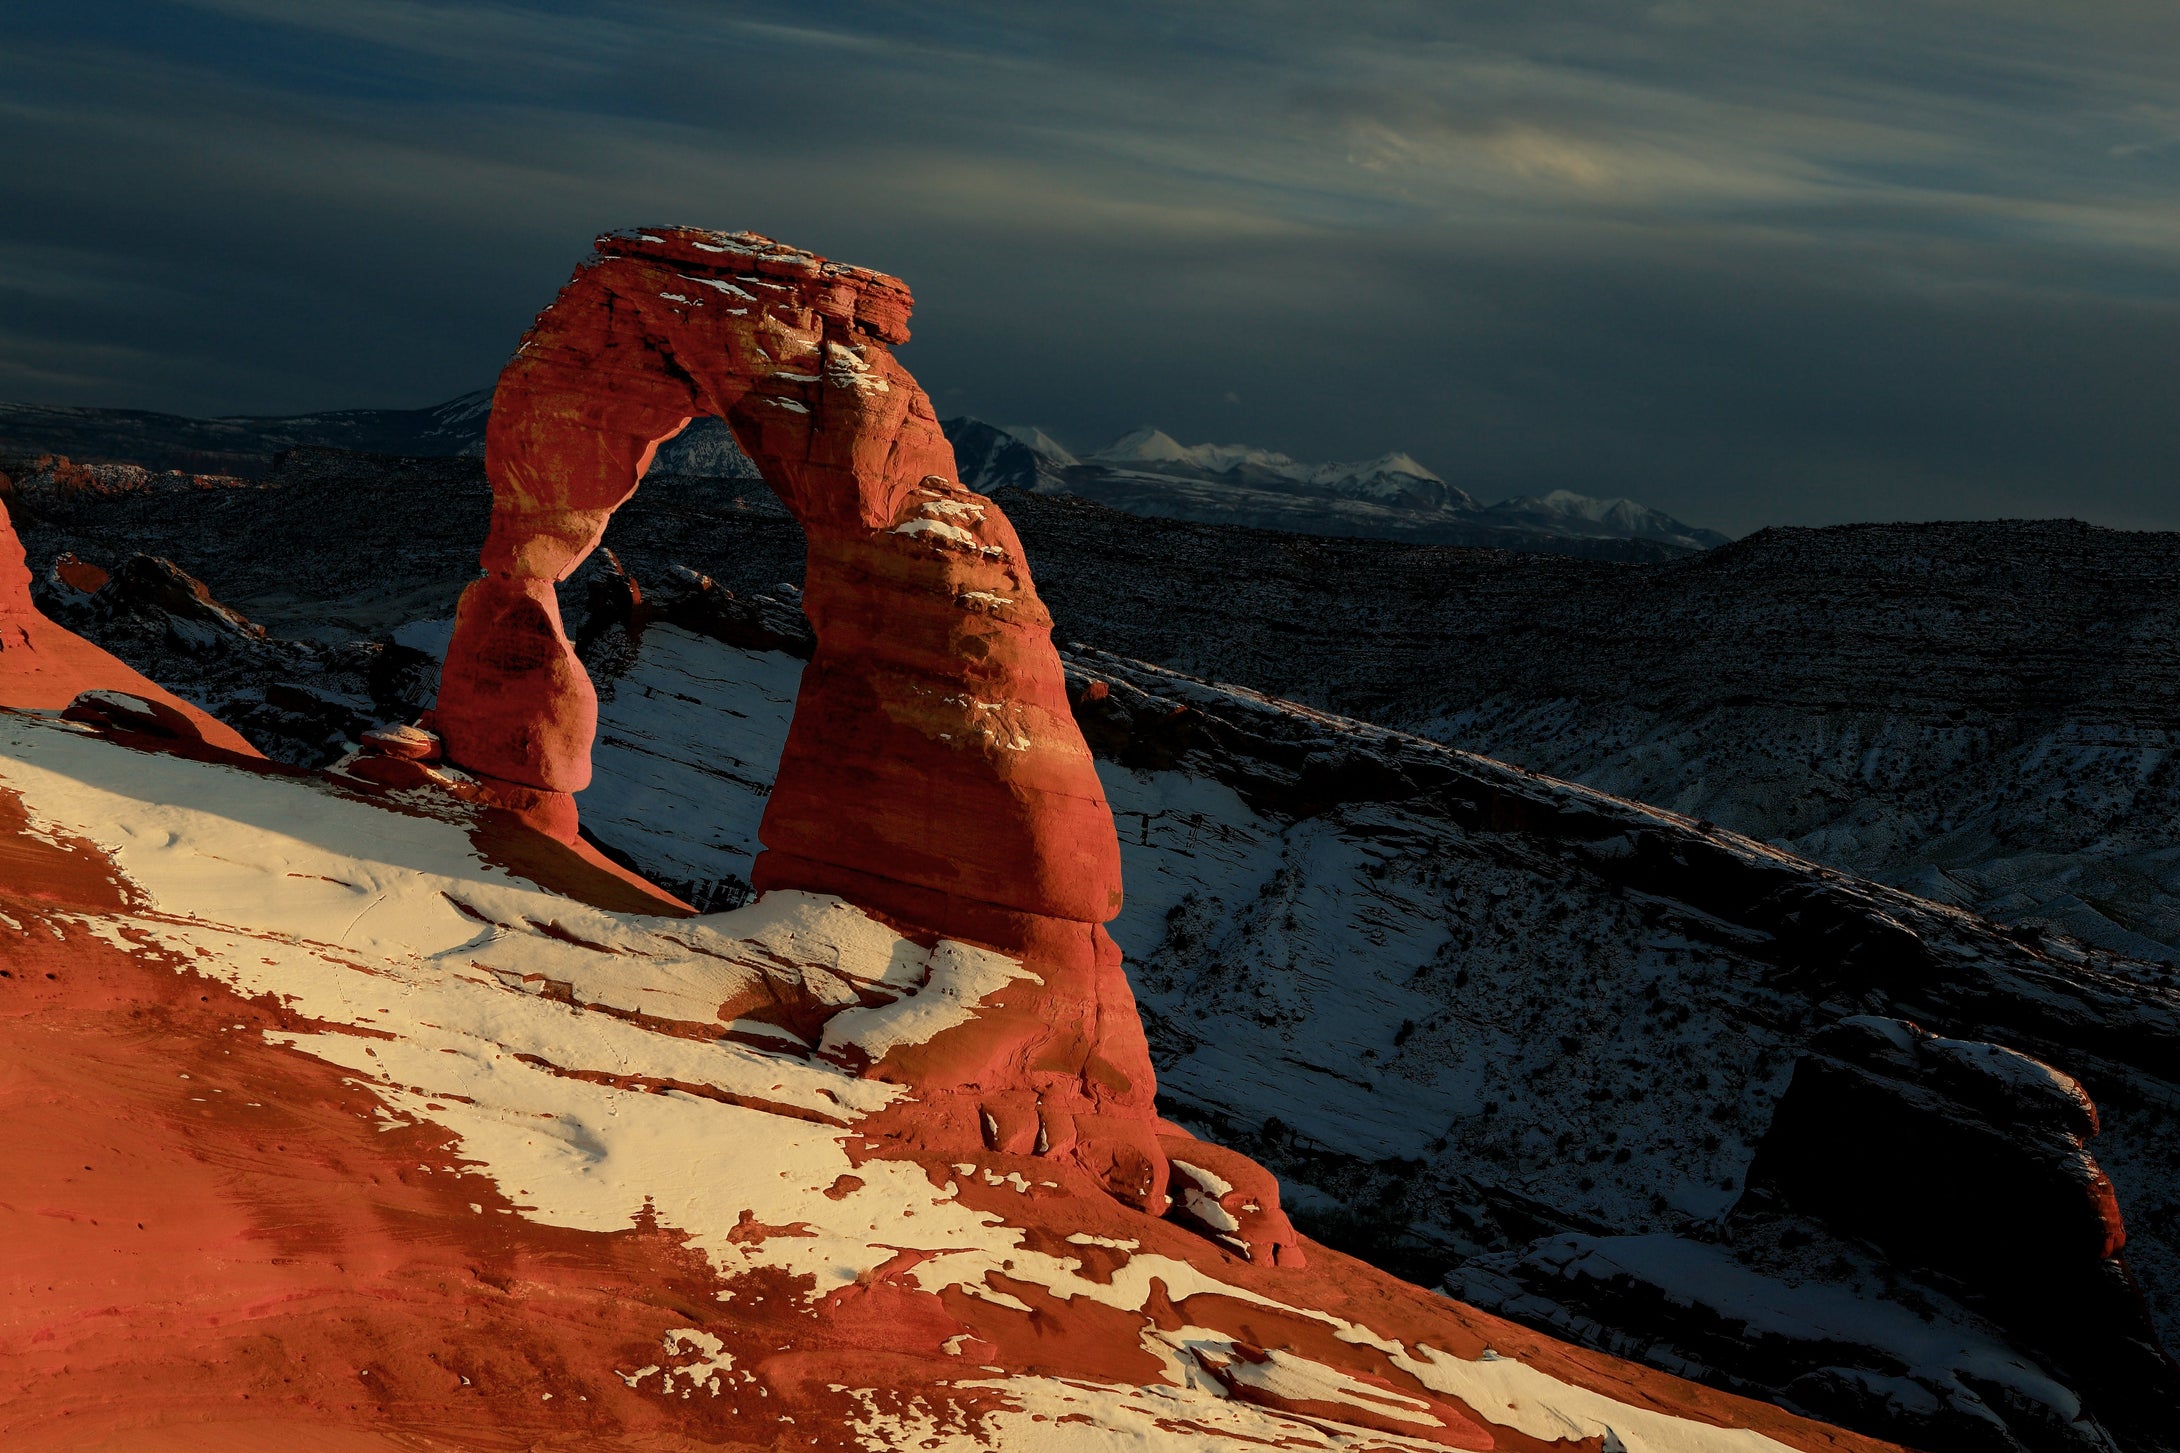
{"x":1752,"y":261}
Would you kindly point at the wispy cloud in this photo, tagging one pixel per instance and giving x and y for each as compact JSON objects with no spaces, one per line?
{"x":1749,"y":259}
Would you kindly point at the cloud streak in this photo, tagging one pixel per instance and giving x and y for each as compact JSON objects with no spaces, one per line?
{"x":1753,"y":262}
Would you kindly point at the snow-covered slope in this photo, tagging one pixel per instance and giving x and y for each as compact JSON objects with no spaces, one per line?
{"x":1689,"y":977}
{"x":1460,"y":1042}
{"x":677,"y":1231}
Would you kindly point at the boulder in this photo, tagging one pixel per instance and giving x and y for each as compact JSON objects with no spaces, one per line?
{"x":1970,"y":1158}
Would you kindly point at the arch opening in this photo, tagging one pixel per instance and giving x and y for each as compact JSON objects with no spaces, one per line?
{"x":689,"y":621}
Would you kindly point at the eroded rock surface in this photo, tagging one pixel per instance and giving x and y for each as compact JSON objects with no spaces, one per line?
{"x":308,"y":1048}
{"x":330,"y":1133}
{"x":933,"y":772}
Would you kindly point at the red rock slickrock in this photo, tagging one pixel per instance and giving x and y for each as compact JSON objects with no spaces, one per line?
{"x":933,"y":772}
{"x":45,"y":667}
{"x":217,"y":1239}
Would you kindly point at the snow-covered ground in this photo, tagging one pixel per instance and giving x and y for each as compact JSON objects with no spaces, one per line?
{"x":1296,"y":973}
{"x":1455,"y":1036}
{"x":688,"y":741}
{"x":540,"y":1033}
{"x":1448,"y":1041}
{"x":2066,"y":826}
{"x":1358,"y":979}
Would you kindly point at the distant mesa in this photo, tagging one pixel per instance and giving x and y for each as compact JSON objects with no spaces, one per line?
{"x":245,"y":446}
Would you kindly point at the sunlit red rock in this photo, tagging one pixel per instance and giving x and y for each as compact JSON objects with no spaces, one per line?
{"x":45,"y":667}
{"x":933,"y":772}
{"x":324,"y":1133}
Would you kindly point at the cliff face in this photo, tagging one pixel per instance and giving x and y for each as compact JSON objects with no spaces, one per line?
{"x":1982,"y":712}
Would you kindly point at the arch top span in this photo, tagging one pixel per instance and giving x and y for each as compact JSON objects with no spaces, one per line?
{"x":873,"y":302}
{"x":663,"y":325}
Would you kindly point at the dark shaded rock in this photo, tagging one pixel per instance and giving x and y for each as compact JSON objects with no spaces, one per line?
{"x":402,"y":680}
{"x":755,"y":622}
{"x":150,"y":583}
{"x":1968,"y":1158}
{"x":123,"y":712}
{"x":328,"y":714}
{"x":1852,"y":1323}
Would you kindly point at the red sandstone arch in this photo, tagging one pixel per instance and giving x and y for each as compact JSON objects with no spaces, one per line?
{"x":933,"y":772}
{"x":932,"y":747}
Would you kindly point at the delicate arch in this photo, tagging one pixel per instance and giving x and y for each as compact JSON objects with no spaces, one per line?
{"x":933,"y":769}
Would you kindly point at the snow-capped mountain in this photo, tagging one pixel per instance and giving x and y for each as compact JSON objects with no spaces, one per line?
{"x":1147,"y":472}
{"x":1394,"y":479}
{"x":1042,"y":443}
{"x":1393,"y":496}
{"x":1564,"y":509}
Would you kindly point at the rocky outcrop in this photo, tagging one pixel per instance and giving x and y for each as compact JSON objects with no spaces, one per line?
{"x":1971,"y":1158}
{"x":44,"y":667}
{"x":305,"y":702}
{"x":1925,"y":1245}
{"x":1921,"y":1244}
{"x":325,"y":1132}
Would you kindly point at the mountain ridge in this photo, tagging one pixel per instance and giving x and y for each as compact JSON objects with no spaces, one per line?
{"x":1393,"y":496}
